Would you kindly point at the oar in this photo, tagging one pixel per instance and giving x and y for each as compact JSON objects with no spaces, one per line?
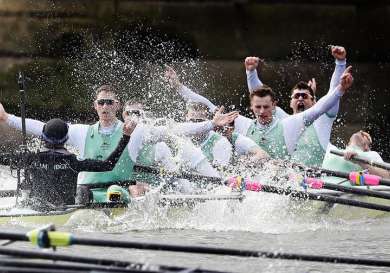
{"x":46,"y":238}
{"x":13,"y":265}
{"x":311,"y":196}
{"x":201,"y":197}
{"x":356,"y":178}
{"x":244,"y":184}
{"x":361,"y":159}
{"x":111,"y":265}
{"x":315,"y":183}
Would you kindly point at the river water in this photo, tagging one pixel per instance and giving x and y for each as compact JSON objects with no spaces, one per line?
{"x":261,"y":222}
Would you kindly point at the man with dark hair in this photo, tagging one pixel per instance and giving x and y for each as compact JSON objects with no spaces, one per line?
{"x":97,"y":141}
{"x":310,"y":147}
{"x":218,"y":145}
{"x":276,"y":136}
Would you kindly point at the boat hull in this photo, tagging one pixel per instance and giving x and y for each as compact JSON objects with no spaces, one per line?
{"x":58,"y":218}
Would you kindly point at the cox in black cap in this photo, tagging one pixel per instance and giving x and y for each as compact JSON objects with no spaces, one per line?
{"x":55,"y":131}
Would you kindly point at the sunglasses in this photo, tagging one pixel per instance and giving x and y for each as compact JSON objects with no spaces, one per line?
{"x":137,"y":113}
{"x":196,"y":120}
{"x":101,"y":102}
{"x":303,"y":95}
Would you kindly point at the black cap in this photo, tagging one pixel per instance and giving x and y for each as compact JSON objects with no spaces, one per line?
{"x":55,"y":131}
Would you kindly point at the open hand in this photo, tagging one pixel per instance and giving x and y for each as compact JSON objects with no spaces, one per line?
{"x":346,"y":79}
{"x":221,"y":119}
{"x":338,"y":52}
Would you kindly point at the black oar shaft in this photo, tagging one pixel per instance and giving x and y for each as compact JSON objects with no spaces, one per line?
{"x":174,"y":248}
{"x":115,"y":264}
{"x":230,"y":252}
{"x":322,"y":197}
{"x":356,"y":190}
{"x":358,"y":158}
{"x":56,"y":267}
{"x":382,"y":181}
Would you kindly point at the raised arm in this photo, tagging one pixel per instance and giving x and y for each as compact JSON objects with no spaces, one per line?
{"x":339,"y":53}
{"x":186,"y":93}
{"x":329,"y":100}
{"x":220,"y":119}
{"x":33,"y":127}
{"x":252,"y":78}
{"x":294,"y":125}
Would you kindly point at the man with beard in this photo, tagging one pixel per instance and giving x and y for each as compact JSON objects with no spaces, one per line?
{"x":311,"y":146}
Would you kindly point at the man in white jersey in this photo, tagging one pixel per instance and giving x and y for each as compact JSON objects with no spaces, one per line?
{"x":217,"y":147}
{"x":359,"y":144}
{"x":98,"y":141}
{"x":311,"y":145}
{"x":275,"y":136}
{"x":155,"y":149}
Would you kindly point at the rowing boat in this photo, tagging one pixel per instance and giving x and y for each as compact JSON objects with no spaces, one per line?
{"x":62,"y":216}
{"x":59,"y":216}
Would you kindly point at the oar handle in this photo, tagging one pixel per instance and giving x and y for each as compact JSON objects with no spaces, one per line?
{"x":240,"y":183}
{"x":361,"y":159}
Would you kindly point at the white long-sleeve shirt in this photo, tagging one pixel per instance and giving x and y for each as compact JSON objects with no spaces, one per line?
{"x":295,"y":124}
{"x":323,"y":125}
{"x":78,"y":134}
{"x":242,"y":145}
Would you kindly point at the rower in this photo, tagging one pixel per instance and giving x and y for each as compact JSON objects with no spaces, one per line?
{"x":156,"y":149}
{"x":217,"y":146}
{"x":359,"y":144}
{"x":149,"y":153}
{"x":53,"y":171}
{"x":309,"y":149}
{"x":95,"y":141}
{"x":278,"y":137}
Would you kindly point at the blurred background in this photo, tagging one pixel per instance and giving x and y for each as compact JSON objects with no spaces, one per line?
{"x":68,"y":48}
